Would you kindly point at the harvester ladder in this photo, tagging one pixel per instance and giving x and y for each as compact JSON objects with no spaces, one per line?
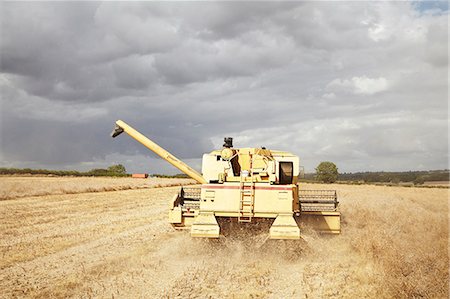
{"x":247,"y":197}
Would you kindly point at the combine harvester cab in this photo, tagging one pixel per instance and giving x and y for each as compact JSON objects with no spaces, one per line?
{"x":245,"y":185}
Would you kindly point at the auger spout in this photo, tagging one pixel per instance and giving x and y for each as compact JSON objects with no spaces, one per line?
{"x":123,"y":127}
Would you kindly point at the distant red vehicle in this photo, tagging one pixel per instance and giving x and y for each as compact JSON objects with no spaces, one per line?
{"x":139,"y":175}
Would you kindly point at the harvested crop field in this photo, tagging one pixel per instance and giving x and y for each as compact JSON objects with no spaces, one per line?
{"x":394,"y":244}
{"x":20,"y":186}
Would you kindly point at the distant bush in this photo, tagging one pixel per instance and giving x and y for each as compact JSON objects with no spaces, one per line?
{"x":118,"y":169}
{"x":327,"y":172}
{"x":419,"y":180}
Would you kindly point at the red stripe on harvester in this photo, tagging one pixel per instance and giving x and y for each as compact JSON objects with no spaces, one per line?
{"x":246,"y":187}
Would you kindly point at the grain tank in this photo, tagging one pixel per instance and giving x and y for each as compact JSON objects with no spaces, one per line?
{"x":245,"y":185}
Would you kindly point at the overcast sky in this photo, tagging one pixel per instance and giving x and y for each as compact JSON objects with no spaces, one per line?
{"x":362,"y":84}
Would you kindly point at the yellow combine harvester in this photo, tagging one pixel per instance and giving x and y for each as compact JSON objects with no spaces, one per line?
{"x":244,"y":185}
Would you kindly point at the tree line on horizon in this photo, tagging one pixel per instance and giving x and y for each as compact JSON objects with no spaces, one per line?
{"x":324,"y":173}
{"x":117,"y":170}
{"x":416,"y":177}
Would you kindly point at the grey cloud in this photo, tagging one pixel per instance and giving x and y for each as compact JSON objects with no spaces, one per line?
{"x":248,"y":55}
{"x":143,"y":35}
{"x":226,"y":20}
{"x":188,"y":74}
{"x":135,"y":72}
{"x":436,"y":51}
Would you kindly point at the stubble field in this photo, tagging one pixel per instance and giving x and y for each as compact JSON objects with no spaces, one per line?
{"x":60,"y":239}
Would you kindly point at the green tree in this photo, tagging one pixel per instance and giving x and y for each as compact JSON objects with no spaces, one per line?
{"x":117,"y":169}
{"x":327,"y":172}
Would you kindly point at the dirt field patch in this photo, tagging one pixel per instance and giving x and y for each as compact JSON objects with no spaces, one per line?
{"x":394,"y":244}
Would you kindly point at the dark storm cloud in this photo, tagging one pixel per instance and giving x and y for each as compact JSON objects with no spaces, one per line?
{"x":363,"y":84}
